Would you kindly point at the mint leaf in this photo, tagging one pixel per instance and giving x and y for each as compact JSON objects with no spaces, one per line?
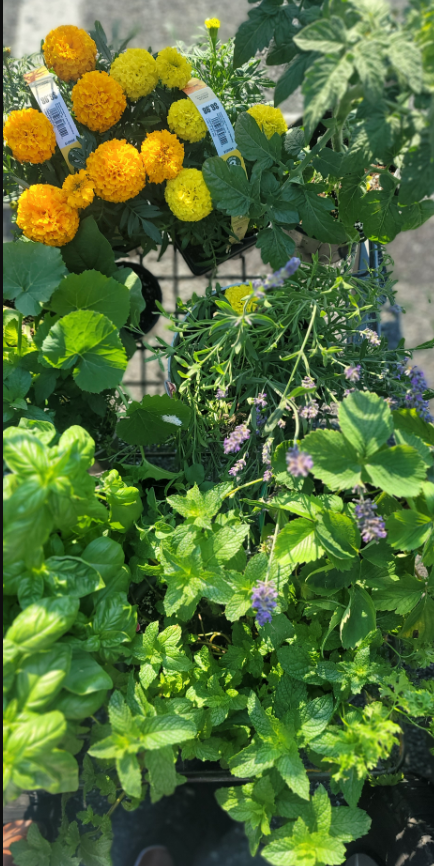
{"x":348,"y":824}
{"x":152,"y":420}
{"x":93,"y":291}
{"x":366,"y":422}
{"x":359,"y":618}
{"x":130,"y":777}
{"x":293,"y":771}
{"x":88,"y":342}
{"x":34,"y":850}
{"x":32,"y":271}
{"x":162,"y":776}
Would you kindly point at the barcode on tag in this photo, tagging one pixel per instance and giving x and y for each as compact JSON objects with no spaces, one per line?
{"x":55,"y":115}
{"x":50,"y":101}
{"x":216,"y":119}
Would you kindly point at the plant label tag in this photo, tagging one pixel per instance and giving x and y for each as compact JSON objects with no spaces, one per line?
{"x":52,"y":104}
{"x":214,"y":115}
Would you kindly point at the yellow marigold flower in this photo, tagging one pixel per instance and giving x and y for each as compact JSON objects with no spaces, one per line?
{"x":79,"y":189}
{"x":188,"y":195}
{"x":186,"y":120}
{"x":237,"y":295}
{"x":212,"y":23}
{"x":163,"y":155}
{"x":173,"y":69}
{"x":116,"y":170}
{"x":70,"y":51}
{"x":45,"y":216}
{"x":29,"y":135}
{"x":269,"y":119}
{"x":136,"y":72}
{"x":98,"y":101}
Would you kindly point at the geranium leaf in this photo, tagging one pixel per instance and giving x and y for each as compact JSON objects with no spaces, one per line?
{"x":152,"y":420}
{"x":93,"y":291}
{"x":31,"y":273}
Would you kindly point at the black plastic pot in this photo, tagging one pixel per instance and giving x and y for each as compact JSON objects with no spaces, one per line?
{"x":151,"y":291}
{"x":197,"y":267}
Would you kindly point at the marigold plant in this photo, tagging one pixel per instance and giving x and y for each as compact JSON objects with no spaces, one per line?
{"x":188,"y":195}
{"x":212,"y":23}
{"x":162,"y":155}
{"x":186,"y":120}
{"x":98,"y":101}
{"x":45,"y":216}
{"x":269,"y":119}
{"x":29,"y":135}
{"x":116,"y":170}
{"x":136,"y":72}
{"x":173,"y":69}
{"x":79,"y":189}
{"x":70,"y":51}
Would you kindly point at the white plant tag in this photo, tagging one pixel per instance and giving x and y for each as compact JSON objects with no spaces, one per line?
{"x":214,"y":115}
{"x":52,"y":104}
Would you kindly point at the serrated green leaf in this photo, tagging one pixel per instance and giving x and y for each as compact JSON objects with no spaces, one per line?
{"x":314,"y":211}
{"x":31,"y":273}
{"x":369,"y":64}
{"x":348,"y":824}
{"x":406,"y":59}
{"x":254,"y":144}
{"x":228,"y":185}
{"x":417,"y":174}
{"x":327,"y":35}
{"x":130,"y":777}
{"x":152,"y":420}
{"x":276,"y":246}
{"x":335,"y":461}
{"x":399,"y":470}
{"x":420,"y":622}
{"x":401,"y":595}
{"x":91,"y":290}
{"x":380,"y":214}
{"x":88,"y":342}
{"x":252,"y":36}
{"x":359,"y":618}
{"x":160,"y":764}
{"x":293,"y":77}
{"x":298,"y":542}
{"x":408,"y":529}
{"x":366,"y":422}
{"x":324,"y":85}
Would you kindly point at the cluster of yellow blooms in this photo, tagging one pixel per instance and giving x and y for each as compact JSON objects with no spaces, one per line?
{"x":98,"y":101}
{"x":116,"y":171}
{"x":269,"y":119}
{"x":45,"y":216}
{"x":29,"y":135}
{"x":237,"y":295}
{"x":186,"y":120}
{"x":188,"y":195}
{"x":70,"y":51}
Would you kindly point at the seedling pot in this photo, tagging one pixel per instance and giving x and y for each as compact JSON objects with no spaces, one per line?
{"x":151,"y":292}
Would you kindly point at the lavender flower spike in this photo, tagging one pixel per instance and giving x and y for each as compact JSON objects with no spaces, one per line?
{"x":299,"y":463}
{"x":309,"y":411}
{"x":263,"y":600}
{"x":352,"y":373}
{"x":234,"y":441}
{"x":371,"y":337}
{"x":371,"y":526}
{"x":238,"y":467}
{"x":221,"y":394}
{"x":308,"y":382}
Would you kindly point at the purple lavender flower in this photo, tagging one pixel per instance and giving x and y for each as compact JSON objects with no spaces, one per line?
{"x":352,"y":373}
{"x":261,"y":400}
{"x":371,"y":337}
{"x":281,"y":423}
{"x":266,"y":452}
{"x":234,"y":441}
{"x":348,"y":391}
{"x":279,"y":277}
{"x":414,"y":396}
{"x":239,"y":466}
{"x":371,"y":526}
{"x":308,"y":382}
{"x":267,"y":476}
{"x":309,"y":411}
{"x":221,"y":394}
{"x":263,"y":600}
{"x":299,"y":463}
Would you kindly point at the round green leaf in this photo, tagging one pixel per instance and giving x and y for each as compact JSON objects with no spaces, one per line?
{"x":153,"y":420}
{"x":31,"y":272}
{"x":88,"y":342}
{"x":93,"y":291}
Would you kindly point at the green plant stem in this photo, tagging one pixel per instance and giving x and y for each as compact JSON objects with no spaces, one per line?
{"x":270,"y":558}
{"x":248,"y":484}
{"x":342,"y":111}
{"x":299,"y":355}
{"x":20,"y":334}
{"x":123,"y":397}
{"x":115,"y":804}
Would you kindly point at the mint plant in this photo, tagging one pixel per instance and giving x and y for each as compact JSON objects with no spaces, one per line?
{"x":321,"y":685}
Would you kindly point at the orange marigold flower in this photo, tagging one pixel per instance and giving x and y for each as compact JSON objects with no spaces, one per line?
{"x":80,"y":189}
{"x":45,"y":216}
{"x":29,"y":135}
{"x":116,"y":170}
{"x":98,"y":101}
{"x":70,"y":51}
{"x":163,"y":155}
